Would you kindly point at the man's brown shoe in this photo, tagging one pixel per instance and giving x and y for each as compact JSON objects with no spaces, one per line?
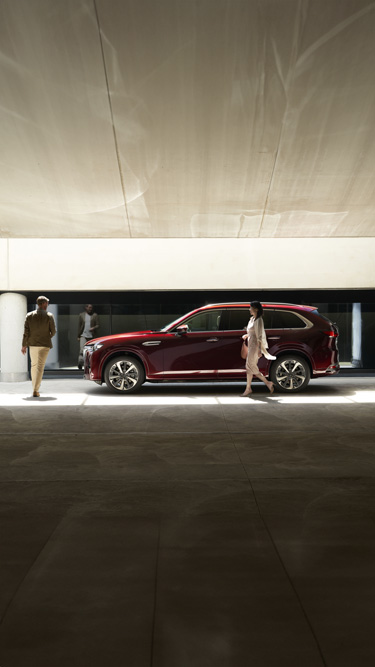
{"x":36,"y":394}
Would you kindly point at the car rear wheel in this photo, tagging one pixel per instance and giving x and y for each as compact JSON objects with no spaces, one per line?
{"x":290,"y":373}
{"x":124,"y":374}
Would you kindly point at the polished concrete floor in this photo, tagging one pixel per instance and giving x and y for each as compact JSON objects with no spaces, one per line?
{"x":187,"y":527}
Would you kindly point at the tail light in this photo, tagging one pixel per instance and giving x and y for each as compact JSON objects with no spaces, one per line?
{"x":331,"y":333}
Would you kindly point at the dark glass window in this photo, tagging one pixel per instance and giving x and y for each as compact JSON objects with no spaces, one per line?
{"x":283,"y":319}
{"x":267,"y":319}
{"x":234,"y":319}
{"x":208,"y":320}
{"x":129,"y":317}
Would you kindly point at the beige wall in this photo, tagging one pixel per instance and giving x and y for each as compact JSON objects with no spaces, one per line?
{"x":136,"y":264}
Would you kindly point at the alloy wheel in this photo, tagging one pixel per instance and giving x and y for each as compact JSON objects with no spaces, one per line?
{"x":291,"y":374}
{"x":124,"y":374}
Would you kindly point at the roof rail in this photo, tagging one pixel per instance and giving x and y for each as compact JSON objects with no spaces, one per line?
{"x":265,"y":303}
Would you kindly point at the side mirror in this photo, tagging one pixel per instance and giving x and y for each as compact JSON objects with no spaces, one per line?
{"x":183,"y":329}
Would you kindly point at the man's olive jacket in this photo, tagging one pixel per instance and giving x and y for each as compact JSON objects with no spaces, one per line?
{"x":94,"y":323}
{"x":39,"y":328}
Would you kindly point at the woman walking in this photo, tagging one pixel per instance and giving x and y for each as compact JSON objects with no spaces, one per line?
{"x":257,"y":345}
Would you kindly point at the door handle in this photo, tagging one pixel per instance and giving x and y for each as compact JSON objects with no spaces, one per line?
{"x":212,"y":340}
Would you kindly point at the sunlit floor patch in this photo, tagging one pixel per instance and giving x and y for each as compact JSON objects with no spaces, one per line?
{"x":258,"y":398}
{"x":299,"y":400}
{"x":138,"y":399}
{"x":363,"y":397}
{"x":45,"y":400}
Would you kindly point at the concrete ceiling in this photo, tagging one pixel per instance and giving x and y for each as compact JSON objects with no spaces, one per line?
{"x":187,"y":118}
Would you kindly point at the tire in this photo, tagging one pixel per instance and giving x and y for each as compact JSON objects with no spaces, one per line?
{"x":124,"y":374}
{"x":290,"y":373}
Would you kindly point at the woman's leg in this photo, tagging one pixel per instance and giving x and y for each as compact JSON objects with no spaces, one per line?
{"x":268,"y":383}
{"x":248,"y":390}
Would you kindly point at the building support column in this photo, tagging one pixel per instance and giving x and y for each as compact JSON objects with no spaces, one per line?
{"x":13,"y":364}
{"x":357,"y":336}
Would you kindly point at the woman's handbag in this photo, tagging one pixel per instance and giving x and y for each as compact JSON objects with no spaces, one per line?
{"x":244,"y":350}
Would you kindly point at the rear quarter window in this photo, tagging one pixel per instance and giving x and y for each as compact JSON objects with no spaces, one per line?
{"x":282,"y":319}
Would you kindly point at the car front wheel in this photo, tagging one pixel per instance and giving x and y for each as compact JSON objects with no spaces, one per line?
{"x":124,"y":374}
{"x":290,"y":373}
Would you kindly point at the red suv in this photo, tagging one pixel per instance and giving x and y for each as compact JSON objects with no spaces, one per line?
{"x":206,"y":344}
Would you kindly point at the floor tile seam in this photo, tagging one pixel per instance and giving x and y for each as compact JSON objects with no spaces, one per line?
{"x":132,"y":480}
{"x":187,"y":479}
{"x":223,"y":415}
{"x":118,"y":480}
{"x":291,"y":582}
{"x":154,"y":611}
{"x":278,"y":555}
{"x":29,"y":569}
{"x":148,"y":432}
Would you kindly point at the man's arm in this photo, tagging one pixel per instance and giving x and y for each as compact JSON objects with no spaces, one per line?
{"x":52,"y":326}
{"x":25,"y":338}
{"x":94,"y":322}
{"x":26,"y":333}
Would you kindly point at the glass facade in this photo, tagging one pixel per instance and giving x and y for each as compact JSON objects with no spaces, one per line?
{"x":126,"y":312}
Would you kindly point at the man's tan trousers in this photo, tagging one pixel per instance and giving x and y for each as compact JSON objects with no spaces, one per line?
{"x":38,"y":356}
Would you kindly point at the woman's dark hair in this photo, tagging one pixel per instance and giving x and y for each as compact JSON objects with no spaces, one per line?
{"x":258,"y":306}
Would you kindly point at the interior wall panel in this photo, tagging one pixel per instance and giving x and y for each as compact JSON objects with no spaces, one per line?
{"x":197,"y":264}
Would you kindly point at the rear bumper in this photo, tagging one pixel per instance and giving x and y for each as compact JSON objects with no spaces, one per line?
{"x":331,"y":370}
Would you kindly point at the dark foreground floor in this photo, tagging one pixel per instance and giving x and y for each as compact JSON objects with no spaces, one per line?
{"x":187,"y":527}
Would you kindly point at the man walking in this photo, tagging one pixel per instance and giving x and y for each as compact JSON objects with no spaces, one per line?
{"x":88,"y":325}
{"x":39,"y":328}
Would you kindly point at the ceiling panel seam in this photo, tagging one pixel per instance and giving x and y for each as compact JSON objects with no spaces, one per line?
{"x":112,"y":118}
{"x":298,"y":32}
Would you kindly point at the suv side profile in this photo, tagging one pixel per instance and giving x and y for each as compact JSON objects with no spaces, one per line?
{"x":205,"y":344}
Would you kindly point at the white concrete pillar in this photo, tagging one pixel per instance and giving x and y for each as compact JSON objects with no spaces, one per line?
{"x":13,"y":364}
{"x":357,"y":336}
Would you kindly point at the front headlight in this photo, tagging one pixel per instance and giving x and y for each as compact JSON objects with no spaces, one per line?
{"x":91,"y":347}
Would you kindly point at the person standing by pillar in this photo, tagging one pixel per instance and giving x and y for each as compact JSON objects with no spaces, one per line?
{"x":88,"y":325}
{"x":39,"y":329}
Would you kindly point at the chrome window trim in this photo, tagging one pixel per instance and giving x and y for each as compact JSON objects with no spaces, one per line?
{"x":308,"y":324}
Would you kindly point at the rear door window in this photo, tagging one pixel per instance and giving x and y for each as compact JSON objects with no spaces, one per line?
{"x":234,"y":319}
{"x":267,"y":319}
